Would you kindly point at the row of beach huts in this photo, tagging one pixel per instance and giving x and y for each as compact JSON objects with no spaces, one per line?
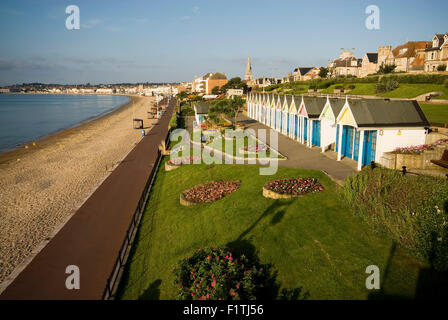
{"x":358,"y":129}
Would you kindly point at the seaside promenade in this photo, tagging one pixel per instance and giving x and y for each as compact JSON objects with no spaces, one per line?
{"x":92,"y":238}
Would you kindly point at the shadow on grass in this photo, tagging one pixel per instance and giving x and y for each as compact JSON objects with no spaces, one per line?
{"x":431,"y":283}
{"x":152,"y":292}
{"x":269,"y":290}
{"x":277,"y":208}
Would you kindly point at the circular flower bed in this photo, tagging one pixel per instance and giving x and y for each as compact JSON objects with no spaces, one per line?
{"x":258,"y":148}
{"x":219,"y":274}
{"x":287,"y":188}
{"x":209,"y":192}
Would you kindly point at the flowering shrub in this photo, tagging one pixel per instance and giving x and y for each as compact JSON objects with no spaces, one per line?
{"x":210,"y":192}
{"x":421,"y":148}
{"x":294,"y":186}
{"x":184,"y":160}
{"x":219,"y":274}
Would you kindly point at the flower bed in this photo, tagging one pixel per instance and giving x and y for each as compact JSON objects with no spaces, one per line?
{"x":420,"y":148}
{"x":256,"y":149}
{"x":287,"y":188}
{"x":219,"y":274}
{"x":209,"y":192}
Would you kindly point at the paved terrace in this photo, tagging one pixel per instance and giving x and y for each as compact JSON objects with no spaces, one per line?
{"x":93,"y":236}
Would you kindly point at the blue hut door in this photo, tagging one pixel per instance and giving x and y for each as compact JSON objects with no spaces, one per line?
{"x":287,"y":128}
{"x":281,"y":121}
{"x":369,"y":147}
{"x":295,"y":125}
{"x":316,"y":133}
{"x":305,"y":129}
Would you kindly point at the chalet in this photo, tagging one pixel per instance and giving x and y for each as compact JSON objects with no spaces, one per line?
{"x":309,"y":113}
{"x":327,"y":119}
{"x":201,"y":112}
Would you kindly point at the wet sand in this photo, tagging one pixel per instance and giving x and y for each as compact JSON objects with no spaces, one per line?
{"x":43,"y":183}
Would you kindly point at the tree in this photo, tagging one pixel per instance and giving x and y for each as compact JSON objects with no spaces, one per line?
{"x":386,"y":68}
{"x":235,"y":83}
{"x":236,"y":105}
{"x":323,"y":72}
{"x":216,"y":90}
{"x":441,"y":67}
{"x":182,"y":95}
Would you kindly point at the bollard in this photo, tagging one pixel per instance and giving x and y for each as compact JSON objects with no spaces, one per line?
{"x":372,"y":165}
{"x":404,"y":170}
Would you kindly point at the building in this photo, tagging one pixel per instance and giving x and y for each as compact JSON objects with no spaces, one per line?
{"x":234,"y":92}
{"x":265,"y":82}
{"x":4,"y":90}
{"x":345,"y":65}
{"x":248,"y":77}
{"x":369,"y":64}
{"x":367,"y":128}
{"x":408,"y":57}
{"x":206,"y":83}
{"x":437,"y":53}
{"x":328,"y":123}
{"x":358,"y":129}
{"x":200,"y":112}
{"x":307,"y":73}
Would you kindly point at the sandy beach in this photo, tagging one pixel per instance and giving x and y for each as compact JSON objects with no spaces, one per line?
{"x":43,"y":183}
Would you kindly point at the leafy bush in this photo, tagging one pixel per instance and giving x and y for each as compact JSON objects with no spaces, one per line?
{"x":412,"y":210}
{"x":219,"y":274}
{"x":441,"y":67}
{"x":352,"y":86}
{"x":446,"y":83}
{"x":339,"y":86}
{"x":386,"y":68}
{"x":386,"y":85}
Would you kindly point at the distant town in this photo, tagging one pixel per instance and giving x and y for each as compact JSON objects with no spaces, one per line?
{"x":414,"y":57}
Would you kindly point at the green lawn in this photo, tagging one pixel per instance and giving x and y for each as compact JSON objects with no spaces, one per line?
{"x":413,"y":90}
{"x":436,"y":112}
{"x":317,"y":245}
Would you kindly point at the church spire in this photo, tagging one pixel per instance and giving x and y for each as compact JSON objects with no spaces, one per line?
{"x":248,"y":75}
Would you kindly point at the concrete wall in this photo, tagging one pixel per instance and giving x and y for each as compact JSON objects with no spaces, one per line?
{"x":394,"y":138}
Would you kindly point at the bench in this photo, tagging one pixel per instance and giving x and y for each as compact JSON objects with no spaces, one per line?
{"x":442,"y":162}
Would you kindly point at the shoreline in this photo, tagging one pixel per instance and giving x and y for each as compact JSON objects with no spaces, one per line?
{"x":19,"y":151}
{"x":43,"y":185}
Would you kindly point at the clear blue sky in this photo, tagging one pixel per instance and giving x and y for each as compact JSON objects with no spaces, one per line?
{"x":169,"y":41}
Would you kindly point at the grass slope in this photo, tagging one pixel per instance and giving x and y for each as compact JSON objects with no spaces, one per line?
{"x":436,"y":112}
{"x":319,"y":248}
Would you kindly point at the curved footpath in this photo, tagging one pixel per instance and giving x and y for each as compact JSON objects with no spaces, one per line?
{"x":93,"y":236}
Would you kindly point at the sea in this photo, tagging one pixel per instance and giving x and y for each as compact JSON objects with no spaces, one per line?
{"x":25,"y":118}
